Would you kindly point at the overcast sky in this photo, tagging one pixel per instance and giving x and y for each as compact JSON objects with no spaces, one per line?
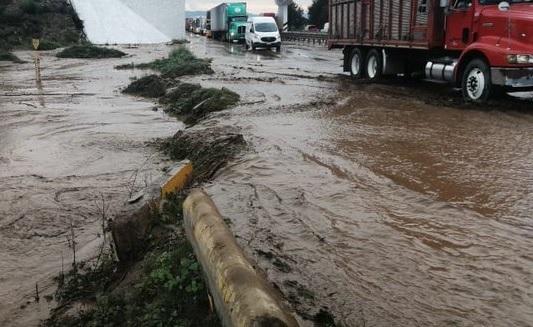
{"x":254,"y":6}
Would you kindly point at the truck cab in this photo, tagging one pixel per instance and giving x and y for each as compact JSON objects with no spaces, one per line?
{"x":495,"y":43}
{"x":237,"y":29}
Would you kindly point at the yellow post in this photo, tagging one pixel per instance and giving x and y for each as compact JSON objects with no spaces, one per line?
{"x":35,"y":43}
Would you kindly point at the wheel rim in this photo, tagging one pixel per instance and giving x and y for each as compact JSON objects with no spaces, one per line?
{"x":356,"y":64}
{"x":475,"y":83}
{"x":372,"y":67}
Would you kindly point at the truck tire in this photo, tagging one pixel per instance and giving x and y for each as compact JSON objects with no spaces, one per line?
{"x":374,"y":65}
{"x":278,"y":49}
{"x":477,"y":84}
{"x":357,"y":64}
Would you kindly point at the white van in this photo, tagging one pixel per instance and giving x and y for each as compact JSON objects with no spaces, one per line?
{"x":262,"y":32}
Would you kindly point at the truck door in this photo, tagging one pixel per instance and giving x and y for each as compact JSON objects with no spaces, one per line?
{"x":459,"y":23}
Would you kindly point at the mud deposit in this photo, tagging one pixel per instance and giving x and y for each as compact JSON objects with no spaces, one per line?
{"x":66,"y":139}
{"x":389,"y":205}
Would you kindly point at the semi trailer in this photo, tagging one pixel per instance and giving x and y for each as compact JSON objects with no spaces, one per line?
{"x":228,"y":21}
{"x":484,"y":47}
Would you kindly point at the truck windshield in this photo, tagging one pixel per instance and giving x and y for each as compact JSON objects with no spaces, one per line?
{"x":266,"y":27}
{"x":495,"y":2}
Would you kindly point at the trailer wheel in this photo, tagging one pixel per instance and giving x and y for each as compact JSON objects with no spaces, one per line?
{"x":374,"y":65}
{"x":357,"y":64}
{"x":477,"y":83}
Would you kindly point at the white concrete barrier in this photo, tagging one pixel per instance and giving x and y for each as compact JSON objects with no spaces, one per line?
{"x":242,"y":297}
{"x":132,"y":21}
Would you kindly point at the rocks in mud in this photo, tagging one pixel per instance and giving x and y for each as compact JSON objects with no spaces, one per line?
{"x":151,"y":86}
{"x":208,"y":149}
{"x":87,"y":51}
{"x":193,"y":102}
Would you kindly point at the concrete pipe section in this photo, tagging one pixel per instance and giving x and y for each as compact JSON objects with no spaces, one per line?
{"x":241,"y":295}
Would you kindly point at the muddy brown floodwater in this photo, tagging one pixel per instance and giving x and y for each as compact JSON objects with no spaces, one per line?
{"x":64,"y":142}
{"x":390,"y":205}
{"x":386,"y":205}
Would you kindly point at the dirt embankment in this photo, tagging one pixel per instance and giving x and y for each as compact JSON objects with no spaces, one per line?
{"x":53,"y":21}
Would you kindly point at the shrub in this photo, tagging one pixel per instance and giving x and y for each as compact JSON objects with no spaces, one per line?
{"x":151,"y":86}
{"x":31,"y":7}
{"x":87,"y":51}
{"x":180,"y":62}
{"x":195,"y":102}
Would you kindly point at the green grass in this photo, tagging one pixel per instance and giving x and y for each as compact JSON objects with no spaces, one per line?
{"x":165,"y":288}
{"x":90,"y":51}
{"x":170,"y":292}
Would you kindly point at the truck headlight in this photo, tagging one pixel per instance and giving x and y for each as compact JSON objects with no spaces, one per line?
{"x":520,"y":59}
{"x":232,"y":33}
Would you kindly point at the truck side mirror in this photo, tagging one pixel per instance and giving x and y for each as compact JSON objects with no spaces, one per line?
{"x":444,"y":3}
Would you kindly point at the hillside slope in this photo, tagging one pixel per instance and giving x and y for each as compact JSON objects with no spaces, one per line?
{"x":54,"y":21}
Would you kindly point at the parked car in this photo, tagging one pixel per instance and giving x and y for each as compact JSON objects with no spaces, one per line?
{"x":262,"y":32}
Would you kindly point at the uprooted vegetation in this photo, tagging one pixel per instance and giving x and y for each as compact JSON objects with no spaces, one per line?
{"x":163,"y":287}
{"x":192,"y":102}
{"x":87,"y":51}
{"x":180,"y":62}
{"x":53,"y":21}
{"x":189,"y":102}
{"x":151,"y":86}
{"x":208,"y":149}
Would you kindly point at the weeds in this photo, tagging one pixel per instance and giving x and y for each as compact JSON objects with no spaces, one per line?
{"x":176,"y":42}
{"x":193,"y":102}
{"x":90,"y":51}
{"x":180,"y":62}
{"x":151,"y":86}
{"x":46,"y":45}
{"x":209,"y":150}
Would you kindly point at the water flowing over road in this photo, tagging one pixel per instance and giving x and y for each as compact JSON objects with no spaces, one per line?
{"x":66,"y":140}
{"x":391,"y":205}
{"x":387,"y":205}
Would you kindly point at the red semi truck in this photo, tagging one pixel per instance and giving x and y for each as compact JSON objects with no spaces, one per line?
{"x":483,"y":46}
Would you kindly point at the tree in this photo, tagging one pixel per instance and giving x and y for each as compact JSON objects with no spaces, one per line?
{"x":319,"y":13}
{"x":297,"y":20}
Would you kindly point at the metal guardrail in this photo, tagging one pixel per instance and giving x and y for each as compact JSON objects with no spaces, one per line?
{"x":309,"y":37}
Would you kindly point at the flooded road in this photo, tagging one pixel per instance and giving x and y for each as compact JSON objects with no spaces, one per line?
{"x":67,"y":138}
{"x":389,"y":205}
{"x":386,"y":205}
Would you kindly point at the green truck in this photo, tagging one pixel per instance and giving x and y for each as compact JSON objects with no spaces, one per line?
{"x":228,"y":21}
